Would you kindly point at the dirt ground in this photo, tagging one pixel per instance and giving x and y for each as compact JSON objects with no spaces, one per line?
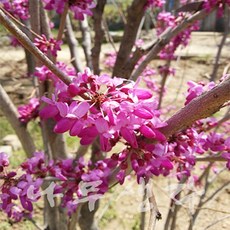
{"x":120,"y":208}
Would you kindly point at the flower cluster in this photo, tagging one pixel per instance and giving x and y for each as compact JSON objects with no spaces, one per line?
{"x":73,"y":179}
{"x":112,"y":110}
{"x":18,"y":8}
{"x":196,"y":89}
{"x":14,"y":41}
{"x":148,"y":73}
{"x":186,"y":145}
{"x":43,"y":73}
{"x":220,"y":4}
{"x":155,"y":3}
{"x":167,"y":20}
{"x":78,"y":181}
{"x":46,"y":46}
{"x":166,"y":70}
{"x":29,"y":111}
{"x":111,"y":59}
{"x":79,"y":8}
{"x":226,"y":153}
{"x":15,"y":188}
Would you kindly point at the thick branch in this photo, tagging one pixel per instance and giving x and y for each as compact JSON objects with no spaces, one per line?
{"x":164,"y":39}
{"x":135,"y":14}
{"x":26,"y":42}
{"x":200,"y":107}
{"x":11,"y":114}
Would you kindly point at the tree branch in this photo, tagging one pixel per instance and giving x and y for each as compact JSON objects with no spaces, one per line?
{"x":72,"y":43}
{"x":135,"y":14}
{"x":99,"y":34}
{"x":200,"y":107}
{"x":26,"y":42}
{"x":164,"y":39}
{"x":86,"y":41}
{"x":62,"y":22}
{"x":11,"y":114}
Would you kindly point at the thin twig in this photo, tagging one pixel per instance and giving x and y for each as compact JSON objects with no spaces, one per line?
{"x":110,"y":38}
{"x":120,"y":11}
{"x":154,"y":211}
{"x":26,"y":42}
{"x":73,"y":43}
{"x":210,"y":159}
{"x":35,"y":224}
{"x":163,"y":82}
{"x":221,"y":45}
{"x":165,"y":38}
{"x":215,"y":210}
{"x":86,"y":41}
{"x":143,"y":214}
{"x":62,"y":22}
{"x":217,"y":221}
{"x":20,"y":23}
{"x":217,"y":191}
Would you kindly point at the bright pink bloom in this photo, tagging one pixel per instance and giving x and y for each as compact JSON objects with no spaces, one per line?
{"x":47,"y":46}
{"x":29,"y":111}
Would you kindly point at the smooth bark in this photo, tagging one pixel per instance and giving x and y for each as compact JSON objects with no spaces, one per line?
{"x":86,"y":41}
{"x":99,"y":35}
{"x":73,"y":43}
{"x":10,"y":112}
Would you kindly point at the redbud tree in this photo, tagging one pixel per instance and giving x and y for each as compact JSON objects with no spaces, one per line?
{"x":117,"y":109}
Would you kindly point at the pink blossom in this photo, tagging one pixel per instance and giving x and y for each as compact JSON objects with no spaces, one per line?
{"x":19,"y":8}
{"x":79,"y":8}
{"x":46,"y":46}
{"x":29,"y":111}
{"x":196,"y":89}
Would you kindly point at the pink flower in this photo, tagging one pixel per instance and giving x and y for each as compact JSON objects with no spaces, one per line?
{"x":78,"y":7}
{"x":4,"y":161}
{"x":19,"y":8}
{"x":29,"y":111}
{"x":47,"y":46}
{"x":196,"y":89}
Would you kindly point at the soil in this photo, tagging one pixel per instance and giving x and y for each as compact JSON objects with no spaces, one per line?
{"x":120,"y":208}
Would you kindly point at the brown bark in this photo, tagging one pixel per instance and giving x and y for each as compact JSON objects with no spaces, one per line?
{"x":135,"y":14}
{"x":201,"y":107}
{"x":99,"y":35}
{"x":72,"y":43}
{"x":86,"y":41}
{"x":29,"y":57}
{"x":221,"y":45}
{"x":44,"y":22}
